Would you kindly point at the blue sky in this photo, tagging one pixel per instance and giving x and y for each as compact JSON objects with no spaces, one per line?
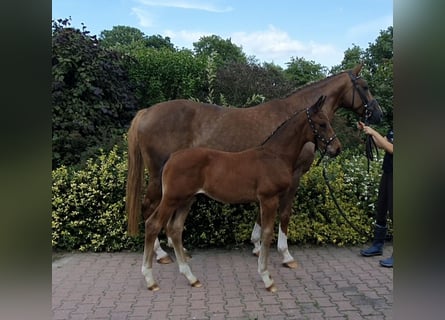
{"x":272,"y":31}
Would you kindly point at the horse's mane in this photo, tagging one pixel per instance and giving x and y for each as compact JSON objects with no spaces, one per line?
{"x":310,"y":84}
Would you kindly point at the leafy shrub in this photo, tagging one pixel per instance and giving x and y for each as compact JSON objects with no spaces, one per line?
{"x":316,"y":218}
{"x":88,"y":208}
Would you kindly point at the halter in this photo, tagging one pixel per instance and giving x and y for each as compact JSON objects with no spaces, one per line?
{"x":369,"y":143}
{"x":319,"y":137}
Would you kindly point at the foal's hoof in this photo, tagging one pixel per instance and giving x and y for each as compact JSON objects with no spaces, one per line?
{"x":291,"y":264}
{"x":154,"y":287}
{"x":165,"y":260}
{"x":256,"y":253}
{"x":196,"y":284}
{"x":272,"y":288}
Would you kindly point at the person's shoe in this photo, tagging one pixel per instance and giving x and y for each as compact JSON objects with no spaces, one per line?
{"x":376,"y":249}
{"x":388,"y":262}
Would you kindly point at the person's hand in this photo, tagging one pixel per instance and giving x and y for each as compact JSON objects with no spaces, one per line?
{"x":366,"y":129}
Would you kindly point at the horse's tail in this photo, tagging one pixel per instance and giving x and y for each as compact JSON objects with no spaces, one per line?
{"x":135,"y":178}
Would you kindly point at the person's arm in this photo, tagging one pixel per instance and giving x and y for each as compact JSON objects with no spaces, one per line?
{"x":379,"y":140}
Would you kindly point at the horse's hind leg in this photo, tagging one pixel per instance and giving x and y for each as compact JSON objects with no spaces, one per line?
{"x":285,"y":212}
{"x":186,"y":209}
{"x":151,"y":201}
{"x":175,"y":228}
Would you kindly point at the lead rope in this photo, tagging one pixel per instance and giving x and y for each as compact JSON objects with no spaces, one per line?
{"x":331,"y":192}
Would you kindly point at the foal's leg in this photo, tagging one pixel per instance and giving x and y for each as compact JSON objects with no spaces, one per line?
{"x":304,"y":163}
{"x":151,"y":202}
{"x":174,"y":230}
{"x":152,"y":227}
{"x":285,"y":212}
{"x":183,"y":210}
{"x":268,"y":209}
{"x":255,"y":237}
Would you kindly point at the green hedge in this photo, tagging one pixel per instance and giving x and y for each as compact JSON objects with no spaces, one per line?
{"x":88,"y":208}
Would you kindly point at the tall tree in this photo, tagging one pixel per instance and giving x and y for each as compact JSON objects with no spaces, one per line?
{"x":224,"y":51}
{"x":352,"y":56}
{"x":123,"y":37}
{"x":301,"y":71}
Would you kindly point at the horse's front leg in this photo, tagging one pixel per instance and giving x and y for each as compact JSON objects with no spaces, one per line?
{"x":285,"y":212}
{"x":268,"y":209}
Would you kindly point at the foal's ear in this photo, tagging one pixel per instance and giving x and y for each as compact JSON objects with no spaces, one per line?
{"x":319,"y":104}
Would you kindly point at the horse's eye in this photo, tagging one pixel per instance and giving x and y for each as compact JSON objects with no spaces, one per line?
{"x":323,"y":125}
{"x":366,"y":88}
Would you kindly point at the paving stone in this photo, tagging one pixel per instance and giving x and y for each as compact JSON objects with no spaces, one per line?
{"x":329,"y":283}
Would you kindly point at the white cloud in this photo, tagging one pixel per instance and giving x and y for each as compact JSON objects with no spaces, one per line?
{"x":186,"y":4}
{"x":270,"y":45}
{"x":278,"y":46}
{"x":145,"y":19}
{"x":185,"y":38}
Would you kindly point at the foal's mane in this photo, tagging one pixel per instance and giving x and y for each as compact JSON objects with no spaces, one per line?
{"x":293,"y":115}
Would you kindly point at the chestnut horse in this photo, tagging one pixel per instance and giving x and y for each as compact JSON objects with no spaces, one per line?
{"x":263,"y":174}
{"x":158,"y":131}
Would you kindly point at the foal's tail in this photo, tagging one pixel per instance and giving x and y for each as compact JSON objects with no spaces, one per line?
{"x":135,"y":178}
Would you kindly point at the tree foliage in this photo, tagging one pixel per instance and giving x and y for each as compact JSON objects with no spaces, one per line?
{"x":163,"y":74}
{"x":237,"y":82}
{"x":301,"y":71}
{"x":92,"y":95}
{"x":224,"y":51}
{"x":122,"y":38}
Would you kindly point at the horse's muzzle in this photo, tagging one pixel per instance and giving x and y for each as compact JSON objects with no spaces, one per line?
{"x":374,"y":114}
{"x":333,"y":151}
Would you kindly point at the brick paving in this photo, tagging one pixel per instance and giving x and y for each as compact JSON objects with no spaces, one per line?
{"x":329,"y":283}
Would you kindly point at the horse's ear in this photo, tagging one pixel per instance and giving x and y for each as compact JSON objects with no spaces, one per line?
{"x":357,"y":69}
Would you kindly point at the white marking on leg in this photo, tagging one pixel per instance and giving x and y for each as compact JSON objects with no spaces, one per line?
{"x":265,"y":276}
{"x":184,"y":268}
{"x":160,"y":253}
{"x":282,"y":246}
{"x":262,"y":267}
{"x":256,"y":238}
{"x":146,"y":271}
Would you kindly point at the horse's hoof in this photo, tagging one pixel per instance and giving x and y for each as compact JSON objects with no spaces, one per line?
{"x":187,"y":255}
{"x":272,"y":288}
{"x":256,"y":254}
{"x":165,"y":260}
{"x":196,"y":284}
{"x":291,"y":264}
{"x":154,"y":287}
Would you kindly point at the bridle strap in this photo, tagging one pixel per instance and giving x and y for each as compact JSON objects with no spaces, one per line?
{"x":319,"y":137}
{"x":369,"y":143}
